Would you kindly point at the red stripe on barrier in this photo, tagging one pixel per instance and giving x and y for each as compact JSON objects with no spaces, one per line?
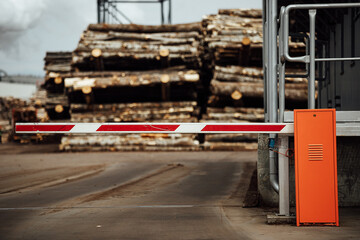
{"x":243,"y":128}
{"x":140,"y":128}
{"x":44,"y":128}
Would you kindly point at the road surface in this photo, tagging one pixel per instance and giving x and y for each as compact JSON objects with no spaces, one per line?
{"x":179,"y":195}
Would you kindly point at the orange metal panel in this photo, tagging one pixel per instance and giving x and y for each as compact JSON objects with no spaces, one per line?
{"x":315,"y":167}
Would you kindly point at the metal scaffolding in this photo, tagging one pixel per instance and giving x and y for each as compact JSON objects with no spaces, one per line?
{"x":109,"y":11}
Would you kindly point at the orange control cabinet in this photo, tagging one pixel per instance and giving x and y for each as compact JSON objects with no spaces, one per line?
{"x":315,"y":167}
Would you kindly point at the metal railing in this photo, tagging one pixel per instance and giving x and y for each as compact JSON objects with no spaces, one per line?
{"x":309,"y":58}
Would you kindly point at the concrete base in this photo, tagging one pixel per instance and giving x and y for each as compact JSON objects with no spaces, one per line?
{"x":278,"y":219}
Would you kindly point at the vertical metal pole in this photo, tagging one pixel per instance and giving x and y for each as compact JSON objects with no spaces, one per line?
{"x":311,"y":84}
{"x":98,"y":10}
{"x":281,"y":69}
{"x":104,"y":13}
{"x":162,"y":11}
{"x":265,"y":58}
{"x":272,"y":61}
{"x":169,"y":16}
{"x":281,"y":91}
{"x":272,"y":104}
{"x":284,"y":200}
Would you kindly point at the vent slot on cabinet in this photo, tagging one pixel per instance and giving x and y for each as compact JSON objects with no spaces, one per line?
{"x":315,"y":152}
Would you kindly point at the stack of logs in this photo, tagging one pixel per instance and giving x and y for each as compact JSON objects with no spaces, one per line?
{"x":209,"y":71}
{"x":7,"y":104}
{"x":133,"y":73}
{"x":56,"y":102}
{"x":233,"y":41}
{"x":17,"y":110}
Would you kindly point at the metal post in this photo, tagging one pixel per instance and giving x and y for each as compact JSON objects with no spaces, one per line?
{"x":169,"y":16}
{"x":281,"y":70}
{"x":272,"y":103}
{"x":284,"y":200}
{"x":311,"y":85}
{"x":272,"y":61}
{"x":284,"y":205}
{"x":265,"y":60}
{"x":98,"y":10}
{"x":162,"y":11}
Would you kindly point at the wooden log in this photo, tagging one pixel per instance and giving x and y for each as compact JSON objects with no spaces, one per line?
{"x":130,"y":79}
{"x":51,"y":56}
{"x":220,"y":146}
{"x":249,"y":74}
{"x":135,"y":47}
{"x":141,"y":117}
{"x":139,"y":105}
{"x":224,"y":117}
{"x":188,"y":27}
{"x":185,"y":91}
{"x":247,"y":110}
{"x":243,"y":39}
{"x":136,"y":112}
{"x":145,"y":41}
{"x":56,"y":99}
{"x":231,"y":113}
{"x":244,"y":137}
{"x":113,"y":60}
{"x":161,"y":36}
{"x":58,"y":61}
{"x":58,"y":67}
{"x":228,"y":22}
{"x":253,"y":89}
{"x":249,"y":13}
{"x":232,"y":45}
{"x":293,"y":91}
{"x":255,"y":72}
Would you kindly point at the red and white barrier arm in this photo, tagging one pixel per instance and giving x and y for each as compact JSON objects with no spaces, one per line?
{"x":287,"y":128}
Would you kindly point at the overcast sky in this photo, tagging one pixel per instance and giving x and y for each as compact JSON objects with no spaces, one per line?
{"x":29,"y":28}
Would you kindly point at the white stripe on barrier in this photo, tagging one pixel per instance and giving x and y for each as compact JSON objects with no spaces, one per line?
{"x":85,"y":127}
{"x":190,"y":128}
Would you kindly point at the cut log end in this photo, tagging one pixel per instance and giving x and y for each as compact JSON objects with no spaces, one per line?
{"x":86,"y":90}
{"x":59,"y":108}
{"x":246,"y":41}
{"x":96,"y":52}
{"x":58,"y":80}
{"x":165,"y":78}
{"x":236,"y":95}
{"x":164,"y":52}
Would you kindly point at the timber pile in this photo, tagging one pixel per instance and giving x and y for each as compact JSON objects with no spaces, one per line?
{"x":14,"y":110}
{"x":133,"y":73}
{"x":7,"y":104}
{"x":209,"y":71}
{"x":136,"y":112}
{"x":56,"y":102}
{"x":234,"y":37}
{"x":58,"y":62}
{"x":236,"y":85}
{"x":172,"y":84}
{"x":233,"y":47}
{"x":137,"y":47}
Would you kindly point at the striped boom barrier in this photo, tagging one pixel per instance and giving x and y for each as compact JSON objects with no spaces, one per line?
{"x":67,"y":128}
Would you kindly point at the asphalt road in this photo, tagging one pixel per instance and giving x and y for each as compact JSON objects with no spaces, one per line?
{"x":135,"y":196}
